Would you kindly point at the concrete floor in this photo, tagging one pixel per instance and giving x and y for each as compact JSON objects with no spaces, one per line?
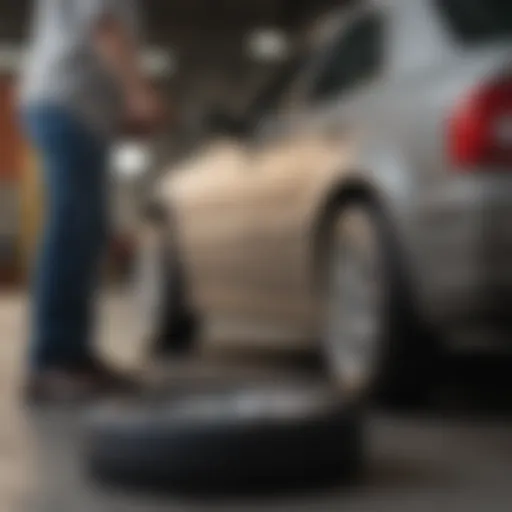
{"x":455,"y":456}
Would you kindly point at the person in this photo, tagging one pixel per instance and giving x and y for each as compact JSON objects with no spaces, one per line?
{"x":81,"y":86}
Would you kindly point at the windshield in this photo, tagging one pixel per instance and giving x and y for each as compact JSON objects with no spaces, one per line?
{"x":478,"y":20}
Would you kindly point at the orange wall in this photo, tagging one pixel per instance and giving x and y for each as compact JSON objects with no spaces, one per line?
{"x":10,"y":139}
{"x":11,"y":171}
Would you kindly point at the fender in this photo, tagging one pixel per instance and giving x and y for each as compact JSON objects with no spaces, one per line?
{"x":384,"y":176}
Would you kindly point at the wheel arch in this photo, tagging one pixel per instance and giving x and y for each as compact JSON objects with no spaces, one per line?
{"x":353,"y":189}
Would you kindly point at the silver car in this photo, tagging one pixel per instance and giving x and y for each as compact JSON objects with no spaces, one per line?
{"x":363,"y":202}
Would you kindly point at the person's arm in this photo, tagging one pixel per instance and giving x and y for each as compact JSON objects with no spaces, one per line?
{"x":118,"y":48}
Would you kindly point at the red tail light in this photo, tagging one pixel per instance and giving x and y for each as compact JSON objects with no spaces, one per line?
{"x":480,"y":130}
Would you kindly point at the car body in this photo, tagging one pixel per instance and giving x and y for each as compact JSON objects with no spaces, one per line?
{"x":387,"y":108}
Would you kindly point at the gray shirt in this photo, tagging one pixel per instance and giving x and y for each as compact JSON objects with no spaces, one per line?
{"x":62,"y":67}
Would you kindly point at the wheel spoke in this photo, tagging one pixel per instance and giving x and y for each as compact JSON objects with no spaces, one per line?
{"x":353,"y":307}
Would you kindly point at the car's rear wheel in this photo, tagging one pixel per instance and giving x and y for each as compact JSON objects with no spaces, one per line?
{"x":372,"y":341}
{"x":167,"y":322}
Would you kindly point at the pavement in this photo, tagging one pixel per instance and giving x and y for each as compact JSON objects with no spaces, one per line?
{"x":454,"y":455}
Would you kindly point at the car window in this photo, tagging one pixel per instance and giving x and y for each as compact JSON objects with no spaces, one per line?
{"x":354,"y":57}
{"x":477,"y":20}
{"x":271,"y":96}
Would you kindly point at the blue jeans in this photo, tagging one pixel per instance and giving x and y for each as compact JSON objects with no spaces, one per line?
{"x":74,"y":162}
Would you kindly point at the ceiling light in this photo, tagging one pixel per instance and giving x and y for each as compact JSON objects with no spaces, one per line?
{"x":159,"y":62}
{"x":268,"y":44}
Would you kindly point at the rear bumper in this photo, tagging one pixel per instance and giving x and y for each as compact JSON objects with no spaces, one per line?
{"x":465,"y":255}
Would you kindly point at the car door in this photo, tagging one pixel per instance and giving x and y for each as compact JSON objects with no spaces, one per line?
{"x":204,"y":194}
{"x":222,"y":200}
{"x":301,"y":154}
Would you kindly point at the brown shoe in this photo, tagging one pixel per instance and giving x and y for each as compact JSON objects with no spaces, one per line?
{"x":61,"y":386}
{"x":77,"y":386}
{"x":110,"y":378}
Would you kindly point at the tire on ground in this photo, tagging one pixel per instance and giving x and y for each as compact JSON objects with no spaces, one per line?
{"x":237,"y":439}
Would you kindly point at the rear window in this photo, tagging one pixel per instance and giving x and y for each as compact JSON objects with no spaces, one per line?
{"x":478,"y":20}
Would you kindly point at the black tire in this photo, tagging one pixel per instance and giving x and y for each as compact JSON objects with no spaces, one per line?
{"x":227,"y":440}
{"x":173,"y":327}
{"x":405,"y":352}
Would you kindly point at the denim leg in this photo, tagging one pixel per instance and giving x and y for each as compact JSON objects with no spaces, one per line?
{"x":74,"y":172}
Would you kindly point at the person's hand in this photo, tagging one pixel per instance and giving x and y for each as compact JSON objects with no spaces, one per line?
{"x":145,"y":110}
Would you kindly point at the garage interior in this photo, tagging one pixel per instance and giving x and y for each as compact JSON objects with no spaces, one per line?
{"x":202,"y":53}
{"x":456,"y":455}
